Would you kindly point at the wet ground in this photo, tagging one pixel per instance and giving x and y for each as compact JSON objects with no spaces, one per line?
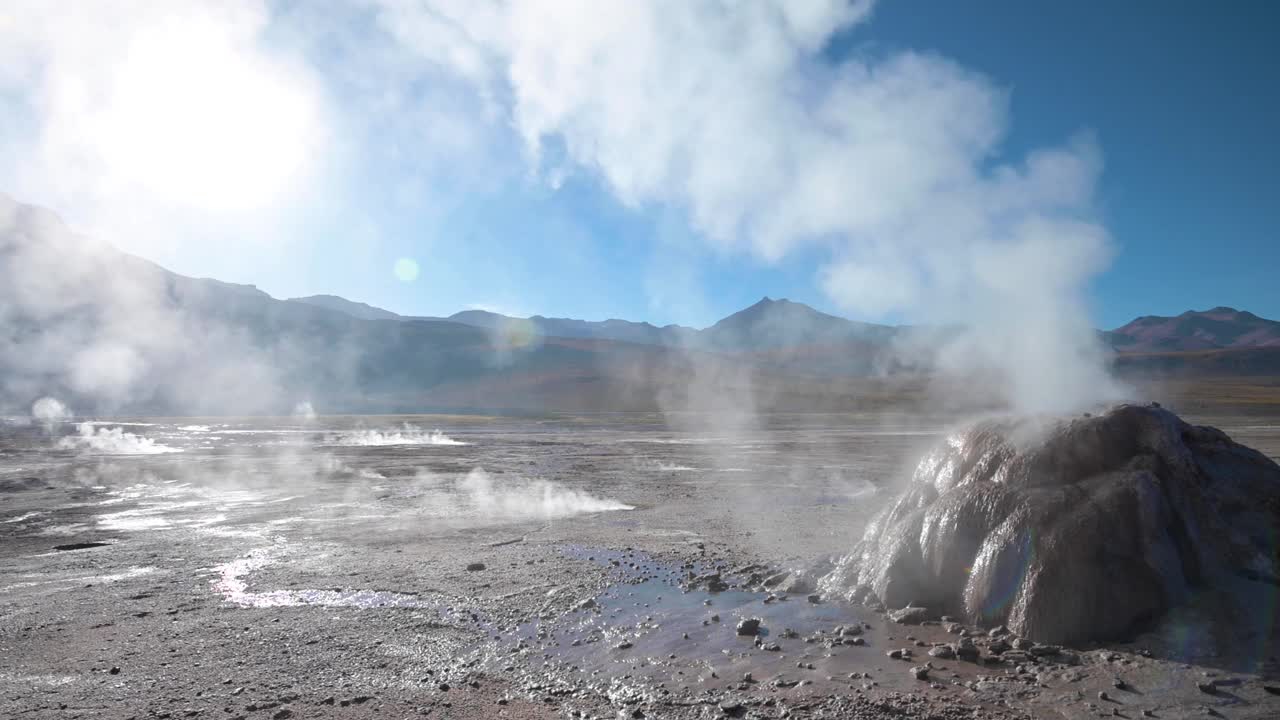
{"x":521,"y":568}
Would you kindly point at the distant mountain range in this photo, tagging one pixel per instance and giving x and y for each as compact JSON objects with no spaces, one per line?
{"x":768,"y":324}
{"x":107,"y":332}
{"x":772,"y":324}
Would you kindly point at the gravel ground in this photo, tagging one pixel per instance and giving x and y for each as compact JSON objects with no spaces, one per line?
{"x":364,"y":568}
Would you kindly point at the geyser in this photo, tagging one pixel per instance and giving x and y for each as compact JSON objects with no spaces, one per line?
{"x":1071,"y":530}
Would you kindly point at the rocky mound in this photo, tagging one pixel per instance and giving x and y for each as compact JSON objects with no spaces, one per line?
{"x":1071,"y":530}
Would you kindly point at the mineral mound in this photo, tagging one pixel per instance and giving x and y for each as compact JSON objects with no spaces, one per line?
{"x":1071,"y":530}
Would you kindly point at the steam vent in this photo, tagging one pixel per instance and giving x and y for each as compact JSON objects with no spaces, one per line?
{"x":1075,"y":530}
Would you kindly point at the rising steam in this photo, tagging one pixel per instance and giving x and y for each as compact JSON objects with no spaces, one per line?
{"x":481,"y":496}
{"x":90,"y":439}
{"x":406,"y":435}
{"x":888,"y":164}
{"x":49,"y":411}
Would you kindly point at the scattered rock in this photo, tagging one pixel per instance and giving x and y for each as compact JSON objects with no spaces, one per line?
{"x":749,"y":626}
{"x":920,"y":672}
{"x":965,"y":649}
{"x":909,"y":615}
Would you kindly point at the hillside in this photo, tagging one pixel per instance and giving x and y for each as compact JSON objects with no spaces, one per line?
{"x":108,"y":332}
{"x":1221,"y":328}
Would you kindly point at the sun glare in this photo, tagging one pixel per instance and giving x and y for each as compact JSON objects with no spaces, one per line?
{"x":201,"y":119}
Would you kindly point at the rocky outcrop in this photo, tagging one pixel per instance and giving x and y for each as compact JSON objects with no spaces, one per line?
{"x":1070,"y":530}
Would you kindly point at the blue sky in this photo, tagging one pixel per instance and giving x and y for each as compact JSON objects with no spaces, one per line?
{"x":384,"y":138}
{"x":1185,"y":100}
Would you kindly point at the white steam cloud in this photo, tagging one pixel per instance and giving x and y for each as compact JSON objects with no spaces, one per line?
{"x":890,"y":163}
{"x":739,"y":116}
{"x":49,"y":410}
{"x":90,"y":439}
{"x":304,"y":411}
{"x":518,"y":499}
{"x":406,"y":435}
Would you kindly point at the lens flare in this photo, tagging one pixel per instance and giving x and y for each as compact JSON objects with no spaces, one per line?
{"x":406,"y":270}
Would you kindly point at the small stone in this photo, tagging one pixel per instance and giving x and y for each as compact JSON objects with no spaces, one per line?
{"x":749,"y":626}
{"x":814,"y":598}
{"x":1208,"y":688}
{"x":624,"y":645}
{"x":114,"y":671}
{"x":920,"y":672}
{"x":282,"y":713}
{"x":1103,"y":696}
{"x":942,"y":652}
{"x":909,"y":615}
{"x":476,"y":566}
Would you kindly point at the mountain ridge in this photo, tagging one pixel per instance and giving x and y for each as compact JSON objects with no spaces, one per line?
{"x":110,"y":333}
{"x":765,"y":324}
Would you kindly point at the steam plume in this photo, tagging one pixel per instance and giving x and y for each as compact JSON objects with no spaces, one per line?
{"x":889,"y":164}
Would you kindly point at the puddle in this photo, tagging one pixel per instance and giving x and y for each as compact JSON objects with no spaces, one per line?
{"x":645,"y":626}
